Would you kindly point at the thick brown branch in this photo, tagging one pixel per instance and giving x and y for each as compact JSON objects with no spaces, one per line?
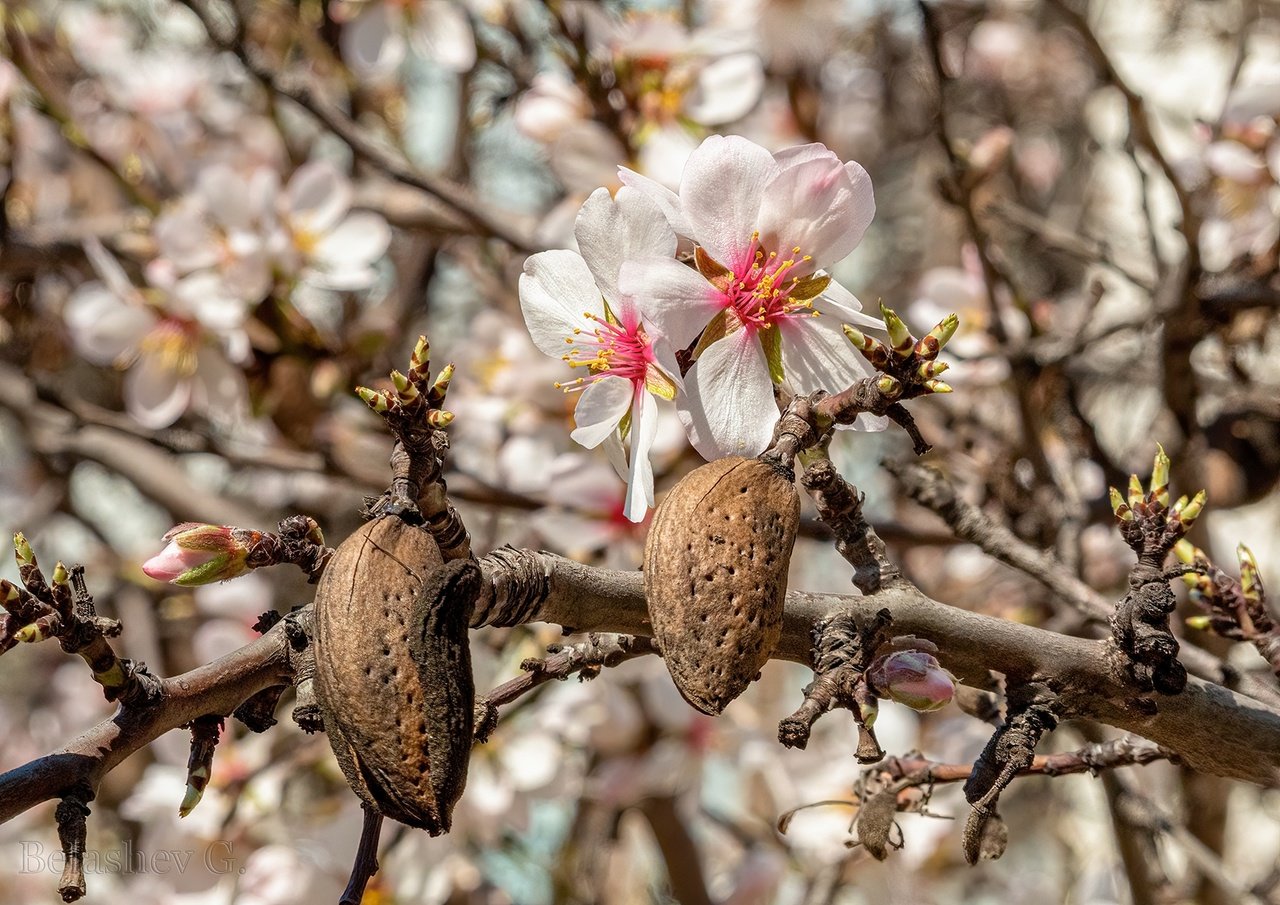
{"x":1207,"y":726}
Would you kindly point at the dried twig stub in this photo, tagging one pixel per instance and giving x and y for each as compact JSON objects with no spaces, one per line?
{"x":716,"y":575}
{"x":393,"y":670}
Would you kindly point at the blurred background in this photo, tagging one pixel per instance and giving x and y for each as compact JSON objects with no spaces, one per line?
{"x":218,"y":217}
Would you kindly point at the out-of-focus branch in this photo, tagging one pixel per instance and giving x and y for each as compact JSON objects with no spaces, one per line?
{"x":52,"y":431}
{"x":346,"y":129}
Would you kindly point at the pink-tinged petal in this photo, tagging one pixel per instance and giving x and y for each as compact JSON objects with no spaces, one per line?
{"x":726,"y":90}
{"x":819,"y":207}
{"x":720,"y":192}
{"x":102,"y":327}
{"x":556,"y":290}
{"x":155,"y":395}
{"x":358,"y":241}
{"x":728,"y":407}
{"x":318,"y":197}
{"x":668,"y":201}
{"x":172,"y":561}
{"x":372,"y":45}
{"x":442,"y":32}
{"x":600,"y":409}
{"x":644,"y":428}
{"x":798,"y":154}
{"x":675,"y":300}
{"x":551,"y":104}
{"x":613,"y":230}
{"x":816,"y":355}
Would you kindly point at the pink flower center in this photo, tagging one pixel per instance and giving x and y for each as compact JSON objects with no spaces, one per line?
{"x":763,"y":293}
{"x":610,"y":350}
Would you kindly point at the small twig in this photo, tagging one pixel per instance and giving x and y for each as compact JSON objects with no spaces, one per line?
{"x":840,"y":508}
{"x":206,"y":732}
{"x":586,"y":658}
{"x":842,"y":654}
{"x":71,"y":816}
{"x":366,"y":858}
{"x":1122,"y":752}
{"x":1033,"y":712}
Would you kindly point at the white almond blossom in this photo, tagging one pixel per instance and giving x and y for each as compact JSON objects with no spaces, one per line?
{"x":759,"y":305}
{"x":175,"y":345}
{"x":574,"y":311}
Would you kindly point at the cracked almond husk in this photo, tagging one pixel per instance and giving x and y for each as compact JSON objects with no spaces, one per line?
{"x":393,"y":670}
{"x":715,"y":575}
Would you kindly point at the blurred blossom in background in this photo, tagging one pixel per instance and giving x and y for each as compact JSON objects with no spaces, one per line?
{"x":201,"y":258}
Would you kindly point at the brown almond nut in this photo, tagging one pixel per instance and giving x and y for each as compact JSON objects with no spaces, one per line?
{"x":393,"y":670}
{"x":715,"y":575}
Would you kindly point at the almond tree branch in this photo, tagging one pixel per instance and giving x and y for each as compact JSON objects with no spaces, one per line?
{"x":928,"y":487}
{"x":1208,"y":727}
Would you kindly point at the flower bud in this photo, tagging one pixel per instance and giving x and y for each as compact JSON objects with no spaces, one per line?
{"x":914,"y":678}
{"x":199,"y":554}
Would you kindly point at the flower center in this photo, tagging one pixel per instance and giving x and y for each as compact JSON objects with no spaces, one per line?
{"x":174,"y":342}
{"x":766,"y":292}
{"x":608,"y":350}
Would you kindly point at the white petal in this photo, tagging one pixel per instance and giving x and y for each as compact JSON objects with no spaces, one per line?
{"x":668,"y":201}
{"x":443,"y":33}
{"x":644,"y":427}
{"x":342,"y":279}
{"x":616,"y":453}
{"x":838,"y":302}
{"x":729,"y":408}
{"x":154,"y":394}
{"x":586,"y":156}
{"x":318,"y":196}
{"x":675,"y":300}
{"x":110,"y":271}
{"x":372,"y":45}
{"x":612,"y":230}
{"x":819,"y":206}
{"x":816,"y":355}
{"x":726,"y":90}
{"x":219,"y":387}
{"x":600,"y":409}
{"x":102,"y":326}
{"x":665,"y":151}
{"x":203,"y":296}
{"x":185,"y":238}
{"x":226,"y":196}
{"x":556,"y":289}
{"x":720,"y":192}
{"x":356,"y":242}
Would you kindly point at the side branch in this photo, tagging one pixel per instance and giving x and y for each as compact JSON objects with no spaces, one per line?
{"x":216,"y":688}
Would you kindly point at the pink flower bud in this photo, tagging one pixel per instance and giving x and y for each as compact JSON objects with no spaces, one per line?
{"x":914,"y":678}
{"x":200,"y":554}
